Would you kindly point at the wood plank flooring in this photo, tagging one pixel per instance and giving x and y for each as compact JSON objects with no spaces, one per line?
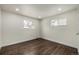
{"x":38,"y":47}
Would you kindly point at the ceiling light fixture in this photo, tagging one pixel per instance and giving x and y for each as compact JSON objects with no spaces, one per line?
{"x":39,"y":16}
{"x":17,"y":9}
{"x":59,"y":9}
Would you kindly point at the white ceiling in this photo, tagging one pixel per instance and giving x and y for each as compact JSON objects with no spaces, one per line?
{"x":38,"y":10}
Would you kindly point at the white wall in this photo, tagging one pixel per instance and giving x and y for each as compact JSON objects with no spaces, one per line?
{"x":13,"y":31}
{"x":0,"y":29}
{"x":63,"y":34}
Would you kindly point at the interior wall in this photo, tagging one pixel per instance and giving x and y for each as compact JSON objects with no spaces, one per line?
{"x":14,"y":31}
{"x":63,"y":34}
{"x":0,"y":29}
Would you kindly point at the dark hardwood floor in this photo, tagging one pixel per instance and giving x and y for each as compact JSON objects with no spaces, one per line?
{"x":38,"y":47}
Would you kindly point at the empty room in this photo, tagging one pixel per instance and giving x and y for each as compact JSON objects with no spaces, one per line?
{"x":39,"y":29}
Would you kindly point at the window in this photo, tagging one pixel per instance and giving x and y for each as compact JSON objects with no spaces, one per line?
{"x":59,"y":22}
{"x":27,"y":24}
